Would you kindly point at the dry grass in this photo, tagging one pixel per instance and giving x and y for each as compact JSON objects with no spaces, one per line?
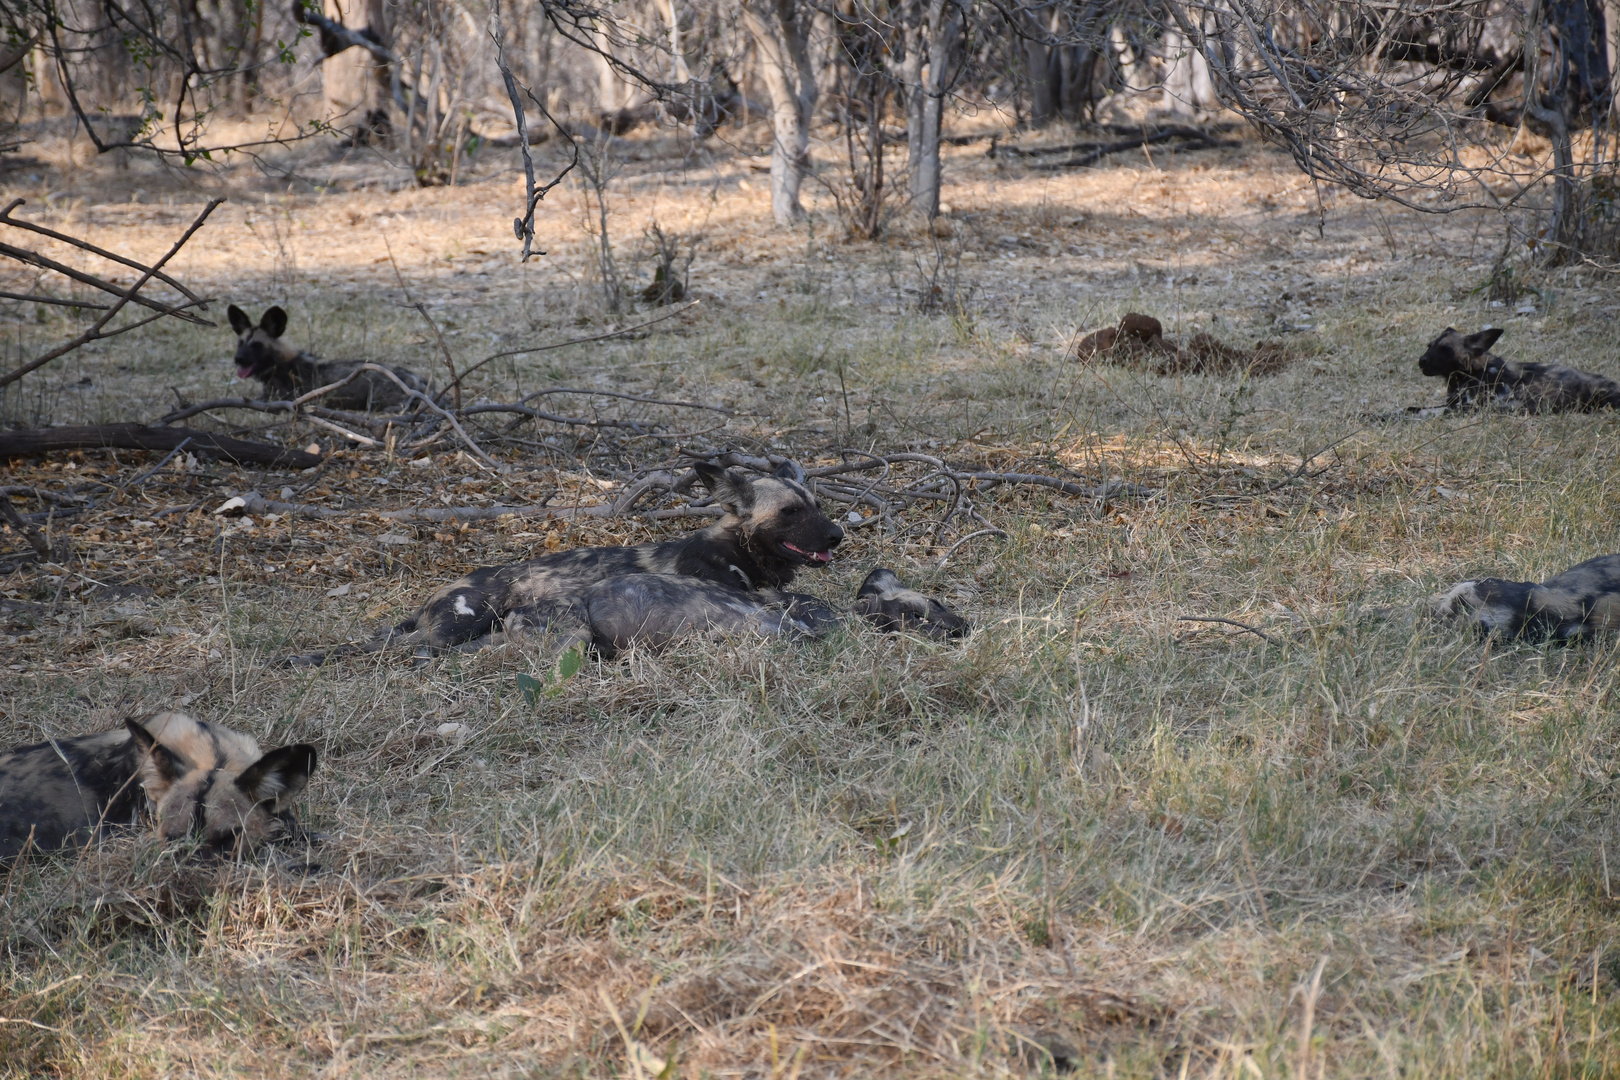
{"x":1372,"y":847}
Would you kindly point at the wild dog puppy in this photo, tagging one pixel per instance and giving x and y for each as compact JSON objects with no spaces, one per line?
{"x":1584,"y":599}
{"x":771,"y":529}
{"x":286,"y":373}
{"x":1477,"y":377}
{"x":654,"y":609}
{"x":187,"y":777}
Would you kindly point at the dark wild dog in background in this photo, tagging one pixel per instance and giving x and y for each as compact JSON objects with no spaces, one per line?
{"x":1477,"y":377}
{"x":185,"y":776}
{"x":729,"y":576}
{"x":1583,"y":600}
{"x":287,"y":373}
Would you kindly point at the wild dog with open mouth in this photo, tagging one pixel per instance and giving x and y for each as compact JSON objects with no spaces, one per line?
{"x":1477,"y":377}
{"x":729,"y":576}
{"x":187,"y":777}
{"x":287,"y":373}
{"x":1583,"y":600}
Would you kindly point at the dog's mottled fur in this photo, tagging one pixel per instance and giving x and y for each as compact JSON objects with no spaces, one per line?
{"x":726,"y":578}
{"x":287,"y":373}
{"x":187,"y":777}
{"x":1477,"y":377}
{"x":654,"y":609}
{"x":1583,"y":600}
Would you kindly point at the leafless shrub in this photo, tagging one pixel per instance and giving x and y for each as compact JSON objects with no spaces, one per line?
{"x":597,"y":168}
{"x":671,"y":269}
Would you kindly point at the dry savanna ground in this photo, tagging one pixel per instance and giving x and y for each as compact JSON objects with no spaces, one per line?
{"x":1090,"y":836}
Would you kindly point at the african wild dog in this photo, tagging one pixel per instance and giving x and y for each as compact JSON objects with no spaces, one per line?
{"x":1584,"y":599}
{"x":287,"y":373}
{"x":188,"y":777}
{"x":654,"y":609}
{"x":1477,"y":377}
{"x":728,"y":576}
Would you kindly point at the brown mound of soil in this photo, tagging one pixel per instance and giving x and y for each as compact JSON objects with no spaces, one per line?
{"x":1139,"y":341}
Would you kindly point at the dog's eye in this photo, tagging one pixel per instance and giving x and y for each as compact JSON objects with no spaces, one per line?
{"x":792,"y":508}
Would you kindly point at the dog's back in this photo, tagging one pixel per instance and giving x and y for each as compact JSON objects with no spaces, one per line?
{"x":1476,"y":377}
{"x":1583,"y":600}
{"x":188,"y":776}
{"x":1549,"y":388}
{"x":287,"y":373}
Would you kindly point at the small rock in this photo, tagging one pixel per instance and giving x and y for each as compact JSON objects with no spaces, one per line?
{"x":341,"y":590}
{"x":453,"y":732}
{"x":395,"y":539}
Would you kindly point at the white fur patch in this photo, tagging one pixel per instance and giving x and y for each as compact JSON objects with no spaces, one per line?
{"x":1459,"y":598}
{"x":462,"y":607}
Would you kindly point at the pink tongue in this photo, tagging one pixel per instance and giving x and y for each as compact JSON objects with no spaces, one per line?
{"x":821,"y":556}
{"x":243,"y":372}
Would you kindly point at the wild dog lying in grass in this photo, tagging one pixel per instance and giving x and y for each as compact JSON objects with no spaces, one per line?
{"x":188,"y":777}
{"x":729,"y":576}
{"x":1584,"y":599}
{"x":1139,"y":340}
{"x":654,"y":609}
{"x":1476,"y":377}
{"x":287,"y":373}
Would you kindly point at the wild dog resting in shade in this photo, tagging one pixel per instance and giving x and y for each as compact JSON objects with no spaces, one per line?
{"x":1583,"y":600}
{"x":185,"y":776}
{"x":727,"y":577}
{"x":1477,"y":377}
{"x":287,"y":373}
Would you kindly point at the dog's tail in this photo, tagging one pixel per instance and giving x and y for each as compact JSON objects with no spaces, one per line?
{"x":402,"y":635}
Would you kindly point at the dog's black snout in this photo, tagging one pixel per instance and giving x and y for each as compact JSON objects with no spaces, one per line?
{"x":835,"y":536}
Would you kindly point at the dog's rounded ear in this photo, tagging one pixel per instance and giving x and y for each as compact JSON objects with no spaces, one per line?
{"x":731,"y":488}
{"x":790,"y":470}
{"x":279,"y":776}
{"x":240,"y":322}
{"x":159,"y":767}
{"x":274,"y":322}
{"x":1480,"y":343}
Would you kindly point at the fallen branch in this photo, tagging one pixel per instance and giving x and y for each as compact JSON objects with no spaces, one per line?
{"x":253,"y":503}
{"x":1098,"y":151}
{"x":31,"y":298}
{"x":970,"y":536}
{"x":257,"y":405}
{"x":577,"y":341}
{"x":124,"y":297}
{"x":144,"y":437}
{"x":1228,"y":622}
{"x":35,"y":538}
{"x":85,"y":245}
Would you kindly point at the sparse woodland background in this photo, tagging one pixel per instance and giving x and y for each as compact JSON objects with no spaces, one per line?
{"x":1413,"y":101}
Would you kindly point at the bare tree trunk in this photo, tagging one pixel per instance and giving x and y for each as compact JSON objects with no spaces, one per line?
{"x":353,"y":82}
{"x":780,"y":33}
{"x":1187,"y":85}
{"x":1044,"y":72}
{"x":607,"y":83}
{"x":677,"y":58}
{"x":932,"y":29}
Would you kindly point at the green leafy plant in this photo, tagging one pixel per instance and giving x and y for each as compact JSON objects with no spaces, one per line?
{"x":567,"y":666}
